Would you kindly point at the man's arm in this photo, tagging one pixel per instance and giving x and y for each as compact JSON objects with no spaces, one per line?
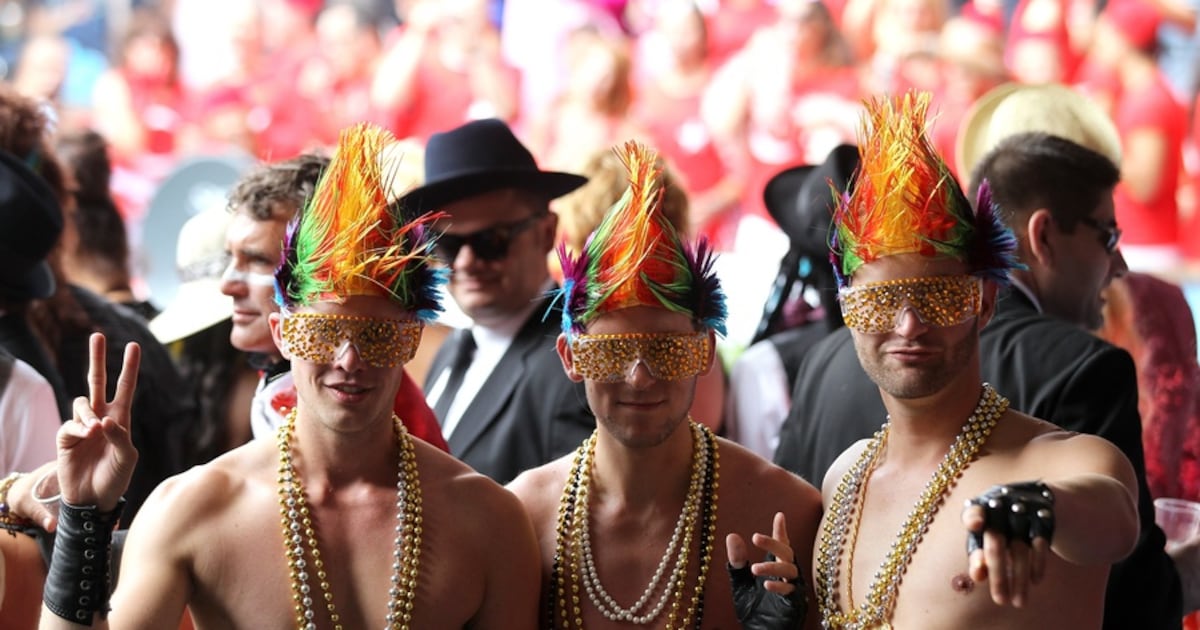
{"x":95,"y":463}
{"x":1095,"y":508}
{"x":513,"y":568}
{"x":1085,"y":512}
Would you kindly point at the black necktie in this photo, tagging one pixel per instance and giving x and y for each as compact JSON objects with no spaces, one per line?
{"x":458,"y":368}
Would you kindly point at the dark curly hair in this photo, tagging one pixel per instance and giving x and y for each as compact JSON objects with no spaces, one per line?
{"x":278,"y":190}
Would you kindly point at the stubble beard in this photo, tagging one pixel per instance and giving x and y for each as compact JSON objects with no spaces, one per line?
{"x":918,"y":382}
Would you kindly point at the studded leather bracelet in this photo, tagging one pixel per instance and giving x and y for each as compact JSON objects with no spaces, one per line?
{"x":1018,"y":511}
{"x":78,"y":581}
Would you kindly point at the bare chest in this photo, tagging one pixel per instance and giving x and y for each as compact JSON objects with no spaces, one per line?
{"x":918,"y":570}
{"x":248,"y":580}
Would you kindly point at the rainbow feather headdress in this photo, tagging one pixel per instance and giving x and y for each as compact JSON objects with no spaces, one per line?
{"x":907,"y":201}
{"x":349,"y":240}
{"x":635,"y":257}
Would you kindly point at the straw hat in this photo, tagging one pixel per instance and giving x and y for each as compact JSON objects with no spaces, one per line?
{"x":200,"y":260}
{"x":1014,"y":108}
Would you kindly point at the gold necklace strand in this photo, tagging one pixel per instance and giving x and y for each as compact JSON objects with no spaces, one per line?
{"x":708,"y":531}
{"x":569,"y":556}
{"x":876,"y":611}
{"x":298,"y":530}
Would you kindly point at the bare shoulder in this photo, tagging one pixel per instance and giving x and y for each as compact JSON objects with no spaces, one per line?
{"x":477,"y":500}
{"x":741,"y":466}
{"x":176,"y":526}
{"x":1040,"y":437}
{"x":540,"y":489}
{"x":758,"y":488}
{"x":1058,"y":453}
{"x":209,"y":490}
{"x":841,"y":466}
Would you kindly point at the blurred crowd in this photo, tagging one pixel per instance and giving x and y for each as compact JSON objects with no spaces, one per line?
{"x":731,"y":92}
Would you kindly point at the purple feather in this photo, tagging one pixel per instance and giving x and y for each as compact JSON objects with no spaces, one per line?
{"x":994,"y":249}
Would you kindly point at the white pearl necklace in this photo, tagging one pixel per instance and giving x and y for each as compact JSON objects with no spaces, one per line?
{"x":683,"y":530}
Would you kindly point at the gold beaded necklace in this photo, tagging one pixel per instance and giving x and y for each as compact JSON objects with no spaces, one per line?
{"x":572,"y":549}
{"x":845,"y":512}
{"x":299,"y":531}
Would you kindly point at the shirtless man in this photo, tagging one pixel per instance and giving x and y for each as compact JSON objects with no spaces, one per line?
{"x":262,"y":203}
{"x":920,"y":271}
{"x":343,"y":475}
{"x":630,"y":520}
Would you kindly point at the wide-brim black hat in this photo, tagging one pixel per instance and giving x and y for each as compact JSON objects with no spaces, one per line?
{"x":800,"y":201}
{"x":477,"y":158}
{"x":31,"y":221}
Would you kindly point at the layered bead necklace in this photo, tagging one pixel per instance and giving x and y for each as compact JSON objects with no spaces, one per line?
{"x":299,"y":532}
{"x":573,"y":547}
{"x":845,"y":511}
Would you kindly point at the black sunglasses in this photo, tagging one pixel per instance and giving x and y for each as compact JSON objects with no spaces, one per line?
{"x":1110,"y":235}
{"x":488,"y":244}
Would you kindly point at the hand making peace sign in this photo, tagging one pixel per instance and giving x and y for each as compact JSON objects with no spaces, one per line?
{"x":95,"y":452}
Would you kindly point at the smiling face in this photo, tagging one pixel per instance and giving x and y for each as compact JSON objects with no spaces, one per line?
{"x":917,"y":358}
{"x":344,"y":390}
{"x":640,"y":411}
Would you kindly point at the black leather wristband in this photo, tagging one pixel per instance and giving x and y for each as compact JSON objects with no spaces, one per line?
{"x":1018,"y":511}
{"x":760,"y":609}
{"x":78,"y":581}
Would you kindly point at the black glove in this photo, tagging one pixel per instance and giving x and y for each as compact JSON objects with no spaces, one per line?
{"x":760,"y":609}
{"x":1018,"y":511}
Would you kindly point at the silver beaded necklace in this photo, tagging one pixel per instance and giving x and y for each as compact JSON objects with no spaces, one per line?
{"x":299,"y":531}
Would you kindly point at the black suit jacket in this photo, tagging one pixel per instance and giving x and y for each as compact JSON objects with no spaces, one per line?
{"x":1048,"y":368}
{"x":527,"y":412}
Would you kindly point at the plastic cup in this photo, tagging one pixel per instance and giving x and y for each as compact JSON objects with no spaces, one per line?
{"x":1178,"y":518}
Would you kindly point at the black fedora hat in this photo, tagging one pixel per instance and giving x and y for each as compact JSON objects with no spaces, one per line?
{"x":30,"y":224}
{"x":479,"y":157}
{"x":801,"y":203}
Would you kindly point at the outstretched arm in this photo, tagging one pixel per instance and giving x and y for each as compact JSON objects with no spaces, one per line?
{"x":1085,"y":512}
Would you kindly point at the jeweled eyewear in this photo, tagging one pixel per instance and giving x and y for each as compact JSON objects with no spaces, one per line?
{"x":324,"y":338}
{"x":612,"y":358}
{"x":876,"y":307}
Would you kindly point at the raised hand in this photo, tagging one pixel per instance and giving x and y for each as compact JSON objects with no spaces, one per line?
{"x":95,"y":452}
{"x":781,"y":602}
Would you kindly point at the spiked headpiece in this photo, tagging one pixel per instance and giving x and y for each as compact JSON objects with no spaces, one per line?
{"x":637,"y":258}
{"x":348,"y":240}
{"x":905,"y":200}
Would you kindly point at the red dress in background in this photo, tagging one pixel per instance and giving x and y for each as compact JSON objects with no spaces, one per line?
{"x":1155,"y":221}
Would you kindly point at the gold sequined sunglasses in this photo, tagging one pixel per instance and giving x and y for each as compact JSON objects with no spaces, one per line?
{"x":322,"y":338}
{"x":667,"y":356}
{"x":876,"y":307}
